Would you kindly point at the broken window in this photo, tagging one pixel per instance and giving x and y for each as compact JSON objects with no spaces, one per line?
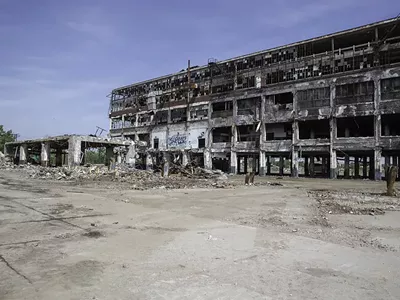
{"x":355,"y":126}
{"x":391,"y":125}
{"x":390,"y":88}
{"x":222,"y":109}
{"x":315,"y":129}
{"x":155,"y":143}
{"x":161,"y":117}
{"x":248,"y":133}
{"x":144,"y":137}
{"x":178,"y":115}
{"x":144,"y":119}
{"x":248,"y":106}
{"x":314,"y":98}
{"x":278,"y":131}
{"x":202,"y":142}
{"x":284,"y":100}
{"x":222,"y":135}
{"x":199,"y":112}
{"x":355,"y":93}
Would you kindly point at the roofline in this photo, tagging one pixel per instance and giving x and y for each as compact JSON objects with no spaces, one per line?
{"x":338,"y":33}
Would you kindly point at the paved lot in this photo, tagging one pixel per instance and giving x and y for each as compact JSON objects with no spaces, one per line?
{"x":63,"y":241}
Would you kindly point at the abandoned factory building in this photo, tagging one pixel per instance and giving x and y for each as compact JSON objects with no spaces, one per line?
{"x":328,"y":106}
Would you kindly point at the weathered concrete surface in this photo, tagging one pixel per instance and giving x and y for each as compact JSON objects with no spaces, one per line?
{"x":258,"y":242}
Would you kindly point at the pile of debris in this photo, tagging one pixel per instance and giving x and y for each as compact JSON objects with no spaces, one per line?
{"x":124,"y":174}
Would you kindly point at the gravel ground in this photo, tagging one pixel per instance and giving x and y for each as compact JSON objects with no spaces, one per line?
{"x":305,"y":239}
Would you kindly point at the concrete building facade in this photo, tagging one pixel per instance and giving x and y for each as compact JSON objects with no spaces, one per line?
{"x":327,"y":106}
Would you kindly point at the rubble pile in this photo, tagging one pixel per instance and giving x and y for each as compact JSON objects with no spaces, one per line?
{"x":123,"y":174}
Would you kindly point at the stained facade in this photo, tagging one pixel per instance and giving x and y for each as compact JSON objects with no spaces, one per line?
{"x":327,"y":106}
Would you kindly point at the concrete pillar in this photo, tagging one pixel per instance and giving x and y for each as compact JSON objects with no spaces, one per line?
{"x":333,"y":135}
{"x":119,"y":158}
{"x":378,"y":164}
{"x":356,"y":167}
{"x":234,"y":162}
{"x":371,"y":174}
{"x":245,"y":164}
{"x":295,"y":163}
{"x":45,"y":154}
{"x":109,"y":155}
{"x":149,"y":162}
{"x":185,"y":158}
{"x":311,"y":166}
{"x":131,"y":155}
{"x":268,"y":165}
{"x":207,"y":159}
{"x":262,"y":163}
{"x":346,"y":167}
{"x":23,"y":154}
{"x":166,"y":160}
{"x":59,"y":161}
{"x":281,"y":165}
{"x":306,"y":170}
{"x":387,"y":164}
{"x":333,"y":164}
{"x":365,"y":166}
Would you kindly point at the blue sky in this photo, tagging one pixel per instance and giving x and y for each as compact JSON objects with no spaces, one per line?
{"x":60,"y":59}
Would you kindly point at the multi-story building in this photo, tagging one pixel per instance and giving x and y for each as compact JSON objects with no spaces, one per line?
{"x":315,"y":103}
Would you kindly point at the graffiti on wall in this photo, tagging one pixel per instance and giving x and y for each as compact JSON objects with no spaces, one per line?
{"x":177,"y":141}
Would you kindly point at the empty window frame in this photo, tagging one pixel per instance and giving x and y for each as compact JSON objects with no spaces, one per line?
{"x":315,"y":129}
{"x":313,"y":98}
{"x":355,"y":126}
{"x":222,"y":135}
{"x":222,"y":109}
{"x":161,"y":117}
{"x":278,"y":131}
{"x":355,"y":93}
{"x":390,"y":88}
{"x":178,"y":115}
{"x":248,"y":106}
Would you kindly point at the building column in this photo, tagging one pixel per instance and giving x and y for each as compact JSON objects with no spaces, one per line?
{"x":23,"y":154}
{"x":74,"y":151}
{"x":295,"y":163}
{"x":387,"y":165}
{"x":207,"y":159}
{"x":268,"y":165}
{"x":185,"y":158}
{"x":233,"y":162}
{"x":333,"y":135}
{"x":45,"y":154}
{"x":109,"y":156}
{"x":378,"y":164}
{"x":333,"y":164}
{"x":311,"y":166}
{"x":365,"y":166}
{"x":281,"y":165}
{"x":59,"y":161}
{"x":306,"y":170}
{"x":245,"y":164}
{"x":131,"y":155}
{"x":372,"y":167}
{"x":166,"y":163}
{"x":346,"y":167}
{"x":149,"y":162}
{"x":356,"y":167}
{"x":262,"y":163}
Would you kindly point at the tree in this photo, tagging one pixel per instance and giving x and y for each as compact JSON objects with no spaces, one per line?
{"x":5,"y":137}
{"x":95,"y":156}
